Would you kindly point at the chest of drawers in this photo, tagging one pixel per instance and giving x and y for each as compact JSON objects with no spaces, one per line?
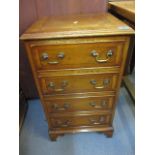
{"x":77,"y":63}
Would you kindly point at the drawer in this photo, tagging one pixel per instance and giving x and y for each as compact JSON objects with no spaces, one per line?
{"x":77,"y":55}
{"x":80,"y":121}
{"x":78,"y":83}
{"x":80,"y":104}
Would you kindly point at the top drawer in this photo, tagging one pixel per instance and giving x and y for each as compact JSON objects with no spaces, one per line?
{"x":62,"y":56}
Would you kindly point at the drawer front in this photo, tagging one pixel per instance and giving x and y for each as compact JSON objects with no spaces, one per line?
{"x":78,"y":83}
{"x":77,"y":55}
{"x":79,"y":121}
{"x":80,"y":104}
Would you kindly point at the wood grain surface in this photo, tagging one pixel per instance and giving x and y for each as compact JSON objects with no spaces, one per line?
{"x":86,"y":25}
{"x":78,"y":82}
{"x":124,"y":8}
{"x":83,"y":53}
{"x":32,"y":10}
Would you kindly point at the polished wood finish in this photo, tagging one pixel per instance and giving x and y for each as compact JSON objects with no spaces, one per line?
{"x":61,"y":56}
{"x":31,"y":11}
{"x":77,"y":26}
{"x":78,"y":94}
{"x":78,"y":83}
{"x":72,"y":104}
{"x":126,"y":11}
{"x":124,"y":8}
{"x":78,"y":121}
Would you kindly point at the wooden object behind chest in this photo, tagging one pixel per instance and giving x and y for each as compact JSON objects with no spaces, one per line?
{"x":77,"y":63}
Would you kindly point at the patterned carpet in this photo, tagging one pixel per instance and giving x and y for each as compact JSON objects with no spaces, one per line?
{"x":34,"y":138}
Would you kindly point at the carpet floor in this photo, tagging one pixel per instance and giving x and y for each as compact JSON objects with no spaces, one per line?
{"x":34,"y":138}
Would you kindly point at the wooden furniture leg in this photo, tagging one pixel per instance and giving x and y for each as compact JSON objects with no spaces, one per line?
{"x":109,"y":134}
{"x":53,"y":136}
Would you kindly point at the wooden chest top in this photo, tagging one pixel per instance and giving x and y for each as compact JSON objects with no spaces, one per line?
{"x":77,"y":26}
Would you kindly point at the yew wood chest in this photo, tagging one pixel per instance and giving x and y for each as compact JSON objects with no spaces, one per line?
{"x":77,"y":63}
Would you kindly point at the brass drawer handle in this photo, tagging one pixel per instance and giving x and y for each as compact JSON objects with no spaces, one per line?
{"x":67,"y":123}
{"x":96,"y":121}
{"x":98,"y":59}
{"x":99,"y":87}
{"x":52,"y":62}
{"x":105,"y":83}
{"x":45,"y":57}
{"x":102,"y":105}
{"x":65,"y":107}
{"x":63,"y":85}
{"x":59,"y":90}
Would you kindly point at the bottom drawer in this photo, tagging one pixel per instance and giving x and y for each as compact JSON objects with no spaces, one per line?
{"x":76,"y":121}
